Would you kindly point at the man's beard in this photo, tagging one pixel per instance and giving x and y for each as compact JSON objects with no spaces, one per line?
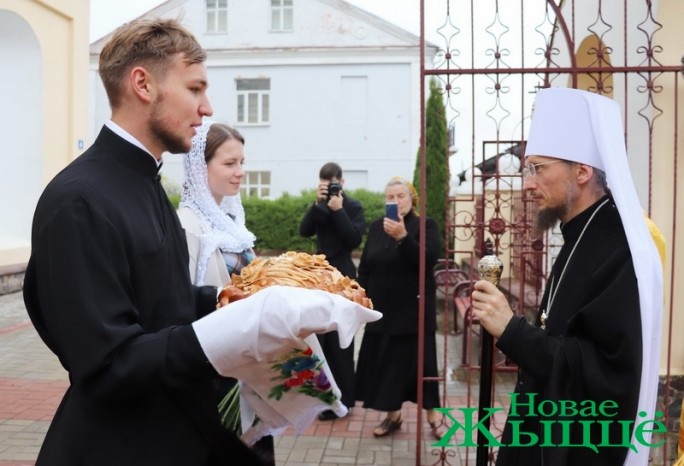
{"x":170,"y":141}
{"x":548,"y":217}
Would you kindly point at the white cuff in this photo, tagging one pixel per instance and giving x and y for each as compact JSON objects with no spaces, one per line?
{"x":274,"y":321}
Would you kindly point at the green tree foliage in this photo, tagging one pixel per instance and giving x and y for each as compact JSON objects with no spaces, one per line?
{"x":275,"y":223}
{"x":373,"y":204}
{"x":437,"y":159}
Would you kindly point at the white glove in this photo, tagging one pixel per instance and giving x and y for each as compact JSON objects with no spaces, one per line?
{"x":273,"y":321}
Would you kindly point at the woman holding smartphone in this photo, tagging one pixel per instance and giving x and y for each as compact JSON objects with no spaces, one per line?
{"x":389,"y":271}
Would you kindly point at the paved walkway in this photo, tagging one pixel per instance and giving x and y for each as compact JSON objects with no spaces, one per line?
{"x":32,"y":383}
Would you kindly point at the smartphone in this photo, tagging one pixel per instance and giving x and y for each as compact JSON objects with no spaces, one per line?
{"x":392,"y":211}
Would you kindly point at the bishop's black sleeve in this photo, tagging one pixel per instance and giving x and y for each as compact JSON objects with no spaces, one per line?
{"x":601,"y":347}
{"x":82,"y":280}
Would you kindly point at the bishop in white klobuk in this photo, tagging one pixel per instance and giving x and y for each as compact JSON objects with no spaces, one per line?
{"x":597,"y":335}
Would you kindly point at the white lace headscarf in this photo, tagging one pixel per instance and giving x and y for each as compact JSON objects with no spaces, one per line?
{"x":224,"y":224}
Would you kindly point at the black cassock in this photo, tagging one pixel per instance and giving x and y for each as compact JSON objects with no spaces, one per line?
{"x":590,"y":351}
{"x":337,"y":234}
{"x":388,"y":357}
{"x":108,"y":290}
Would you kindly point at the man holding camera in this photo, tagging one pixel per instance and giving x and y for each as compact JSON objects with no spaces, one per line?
{"x":338,"y":223}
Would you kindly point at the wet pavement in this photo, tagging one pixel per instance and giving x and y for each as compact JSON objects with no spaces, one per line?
{"x":32,"y":383}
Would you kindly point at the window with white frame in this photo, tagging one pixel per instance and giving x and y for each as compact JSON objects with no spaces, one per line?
{"x":217,"y":15}
{"x":253,"y":101}
{"x":281,"y":15}
{"x":256,"y":184}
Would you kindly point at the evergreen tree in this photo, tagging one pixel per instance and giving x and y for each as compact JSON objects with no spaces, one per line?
{"x":436,"y":159}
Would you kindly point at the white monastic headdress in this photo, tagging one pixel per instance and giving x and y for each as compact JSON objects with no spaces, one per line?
{"x":587,"y":128}
{"x":224,"y":224}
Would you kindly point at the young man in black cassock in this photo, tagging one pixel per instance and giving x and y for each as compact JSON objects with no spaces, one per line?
{"x":595,"y":340}
{"x":107,"y":285}
{"x":108,"y":289}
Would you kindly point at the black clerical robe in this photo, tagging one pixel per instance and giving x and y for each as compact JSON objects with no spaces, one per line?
{"x":590,"y":350}
{"x":389,"y":273}
{"x":337,"y":232}
{"x":108,"y":290}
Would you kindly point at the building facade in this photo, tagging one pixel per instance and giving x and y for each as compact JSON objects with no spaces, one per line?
{"x":306,"y":82}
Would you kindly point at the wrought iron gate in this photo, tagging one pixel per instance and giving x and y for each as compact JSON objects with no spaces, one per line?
{"x":493,"y":56}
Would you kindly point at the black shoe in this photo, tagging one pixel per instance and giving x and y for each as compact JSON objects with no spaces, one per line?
{"x":327,"y":415}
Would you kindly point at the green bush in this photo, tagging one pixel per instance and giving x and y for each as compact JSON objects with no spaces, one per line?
{"x":174,"y":198}
{"x":373,"y":203}
{"x":172,"y":189}
{"x":275,"y":223}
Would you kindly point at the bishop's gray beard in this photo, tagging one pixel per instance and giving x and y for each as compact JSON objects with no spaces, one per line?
{"x":547,"y":218}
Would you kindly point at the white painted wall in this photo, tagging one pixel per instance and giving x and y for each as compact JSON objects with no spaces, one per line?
{"x":347,"y":114}
{"x":344,"y":88}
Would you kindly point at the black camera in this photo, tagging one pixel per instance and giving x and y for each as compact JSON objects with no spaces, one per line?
{"x":334,"y":189}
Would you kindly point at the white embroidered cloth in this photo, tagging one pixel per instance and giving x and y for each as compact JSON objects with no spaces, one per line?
{"x":266,"y":341}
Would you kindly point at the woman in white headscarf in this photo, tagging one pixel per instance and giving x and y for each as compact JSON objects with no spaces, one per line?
{"x":219,"y":244}
{"x":211,"y":209}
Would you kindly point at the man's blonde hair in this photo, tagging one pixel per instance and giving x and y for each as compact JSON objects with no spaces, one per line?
{"x":151,"y":43}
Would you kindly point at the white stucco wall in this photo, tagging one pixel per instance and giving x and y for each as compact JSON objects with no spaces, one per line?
{"x":344,"y":88}
{"x":317,"y":115}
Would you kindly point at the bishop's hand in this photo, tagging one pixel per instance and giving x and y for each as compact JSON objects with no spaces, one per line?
{"x":491,"y":307}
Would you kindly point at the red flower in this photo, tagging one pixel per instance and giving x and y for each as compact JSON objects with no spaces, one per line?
{"x":293,"y":382}
{"x":305,"y":374}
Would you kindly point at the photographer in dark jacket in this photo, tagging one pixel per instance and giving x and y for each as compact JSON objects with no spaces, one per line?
{"x":338,"y":223}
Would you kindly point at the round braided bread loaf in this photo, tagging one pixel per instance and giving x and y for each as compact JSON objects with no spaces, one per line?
{"x":297,"y":269}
